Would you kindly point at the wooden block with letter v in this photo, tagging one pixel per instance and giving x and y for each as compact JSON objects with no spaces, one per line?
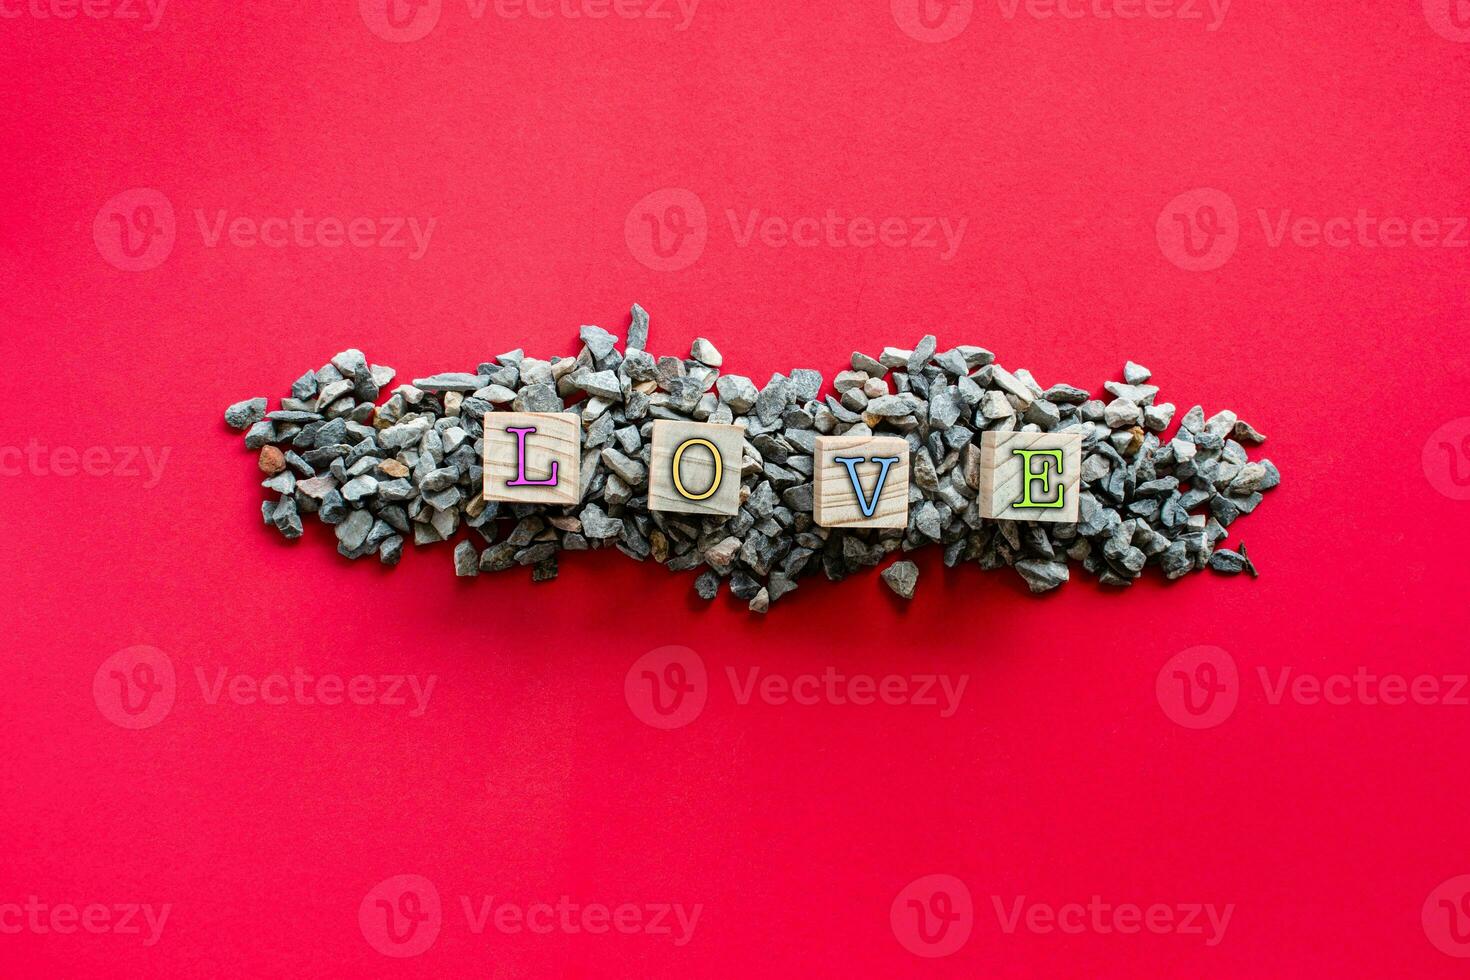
{"x":861,"y":481}
{"x":695,"y":467}
{"x":533,"y":457}
{"x":1030,"y":476}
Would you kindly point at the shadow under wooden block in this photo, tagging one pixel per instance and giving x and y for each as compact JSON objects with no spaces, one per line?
{"x":1054,"y":486}
{"x":837,"y":503}
{"x":556,"y":442}
{"x":695,"y":467}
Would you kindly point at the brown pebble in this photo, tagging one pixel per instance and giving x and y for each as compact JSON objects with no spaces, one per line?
{"x":1137,"y":441}
{"x":394,"y":469}
{"x":272,"y":460}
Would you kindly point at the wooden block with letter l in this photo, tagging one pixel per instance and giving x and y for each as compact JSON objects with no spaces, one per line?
{"x":533,"y":457}
{"x":1030,"y":476}
{"x":694,"y":467}
{"x":861,"y":481}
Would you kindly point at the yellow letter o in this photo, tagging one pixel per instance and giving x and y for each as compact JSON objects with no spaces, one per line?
{"x":714,"y":484}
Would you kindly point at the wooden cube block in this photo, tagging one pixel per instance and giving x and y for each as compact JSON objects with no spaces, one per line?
{"x":861,"y":481}
{"x":533,"y":457}
{"x":695,"y":467}
{"x":1030,"y":476}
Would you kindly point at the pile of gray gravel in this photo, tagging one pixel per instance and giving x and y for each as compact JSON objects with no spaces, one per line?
{"x":410,"y":466}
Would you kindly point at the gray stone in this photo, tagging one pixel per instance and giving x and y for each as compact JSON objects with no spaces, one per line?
{"x":598,"y":341}
{"x":1227,"y":562}
{"x":1156,"y":418}
{"x":1243,"y":432}
{"x":597,"y":525}
{"x":286,"y":519}
{"x":638,"y":332}
{"x":1122,"y":413}
{"x":353,"y":531}
{"x":466,"y":561}
{"x":706,"y":353}
{"x":451,"y":381}
{"x":243,"y":415}
{"x":351,"y":363}
{"x":1042,"y":575}
{"x":359,"y":488}
{"x":921,"y":355}
{"x":538,"y":398}
{"x":901,"y":577}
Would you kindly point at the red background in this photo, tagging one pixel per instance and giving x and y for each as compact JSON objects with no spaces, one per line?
{"x":529,"y":777}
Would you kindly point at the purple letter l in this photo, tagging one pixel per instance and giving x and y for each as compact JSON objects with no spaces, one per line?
{"x":520,"y":480}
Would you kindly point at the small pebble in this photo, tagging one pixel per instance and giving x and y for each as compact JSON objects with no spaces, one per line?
{"x":901,"y":577}
{"x":242,"y":415}
{"x":271,"y":460}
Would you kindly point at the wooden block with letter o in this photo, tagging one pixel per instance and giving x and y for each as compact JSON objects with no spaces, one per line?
{"x":861,"y":481}
{"x":533,"y":457}
{"x":1030,"y":476}
{"x":695,"y":467}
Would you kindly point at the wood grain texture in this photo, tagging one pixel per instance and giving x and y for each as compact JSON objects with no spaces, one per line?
{"x":558,"y":438}
{"x":1002,"y":476}
{"x":835,"y":502}
{"x":696,"y":467}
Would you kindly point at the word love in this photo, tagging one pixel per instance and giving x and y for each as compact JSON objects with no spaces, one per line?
{"x":857,"y":481}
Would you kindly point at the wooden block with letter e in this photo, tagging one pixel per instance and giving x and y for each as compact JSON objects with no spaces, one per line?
{"x":861,"y":481}
{"x":695,"y":467}
{"x":533,"y":457}
{"x":1030,"y":476}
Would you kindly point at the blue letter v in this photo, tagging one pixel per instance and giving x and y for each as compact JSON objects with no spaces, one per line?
{"x":865,"y":505}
